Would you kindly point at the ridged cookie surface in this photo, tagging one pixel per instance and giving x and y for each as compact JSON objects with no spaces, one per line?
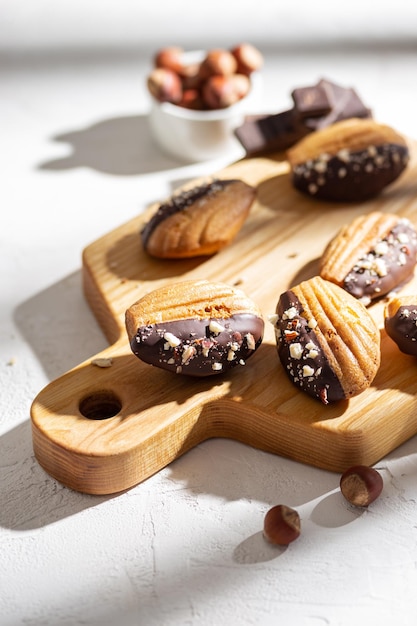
{"x":328,"y":343}
{"x":371,"y":256}
{"x":200,"y":221}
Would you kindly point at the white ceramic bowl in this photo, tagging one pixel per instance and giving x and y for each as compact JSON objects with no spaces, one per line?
{"x":200,"y":135}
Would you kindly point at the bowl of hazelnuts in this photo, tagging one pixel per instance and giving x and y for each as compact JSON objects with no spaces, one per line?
{"x":198,"y":98}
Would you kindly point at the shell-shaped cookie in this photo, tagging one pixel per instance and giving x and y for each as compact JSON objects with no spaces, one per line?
{"x":371,"y":256}
{"x":328,"y":343}
{"x":350,"y":161}
{"x":197,"y":328}
{"x":400,"y":319}
{"x":199,"y":221}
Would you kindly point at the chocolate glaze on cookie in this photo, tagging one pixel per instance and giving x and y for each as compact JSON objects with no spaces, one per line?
{"x":390,"y":264}
{"x":351,"y":176}
{"x":402,"y":328}
{"x":300,"y":353}
{"x":180,"y":202}
{"x":199,"y":347}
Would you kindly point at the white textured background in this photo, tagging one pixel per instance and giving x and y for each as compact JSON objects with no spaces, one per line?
{"x":77,"y":160}
{"x":47,"y":24}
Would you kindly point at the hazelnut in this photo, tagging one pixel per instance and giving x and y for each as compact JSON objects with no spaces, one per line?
{"x":281,"y":525}
{"x":241,"y":84}
{"x":218,"y":62}
{"x":190,"y":75}
{"x":361,"y":485}
{"x":169,"y":58}
{"x":248,"y":58}
{"x":191,"y":99}
{"x":165,"y":85}
{"x":220,"y":92}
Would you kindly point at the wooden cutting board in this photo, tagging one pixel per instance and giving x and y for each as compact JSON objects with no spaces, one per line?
{"x":102,"y":430}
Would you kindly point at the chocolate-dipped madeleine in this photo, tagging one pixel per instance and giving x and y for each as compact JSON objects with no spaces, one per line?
{"x":198,"y":328}
{"x":327,"y":342}
{"x":199,"y":221}
{"x":371,"y":256}
{"x":351,"y":160}
{"x":400,"y":319}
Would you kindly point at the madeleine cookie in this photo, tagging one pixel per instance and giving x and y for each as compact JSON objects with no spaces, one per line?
{"x":199,"y":221}
{"x":197,"y":328}
{"x":400,"y":321}
{"x":328,"y":343}
{"x":371,"y":256}
{"x":352,"y":160}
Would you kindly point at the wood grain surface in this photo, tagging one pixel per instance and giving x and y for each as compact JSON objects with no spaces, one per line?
{"x":102,"y":430}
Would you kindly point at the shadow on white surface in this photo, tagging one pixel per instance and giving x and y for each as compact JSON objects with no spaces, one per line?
{"x":332,"y":511}
{"x":29,"y":497}
{"x":59,"y":326}
{"x":60,"y":329}
{"x":255,"y":549}
{"x":120,"y":146}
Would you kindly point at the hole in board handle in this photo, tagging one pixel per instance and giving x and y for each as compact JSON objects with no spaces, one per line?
{"x":100,"y":405}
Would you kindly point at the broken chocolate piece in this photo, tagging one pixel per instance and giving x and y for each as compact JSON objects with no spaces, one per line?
{"x":311,"y":101}
{"x":346,"y":103}
{"x":270,"y":133}
{"x":315,"y":107}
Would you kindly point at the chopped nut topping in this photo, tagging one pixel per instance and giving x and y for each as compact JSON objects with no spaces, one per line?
{"x":380,"y":267}
{"x":344,"y":155}
{"x":290,"y":313}
{"x":320,"y":166}
{"x":172,"y":340}
{"x":402,"y":259}
{"x":296,"y":350}
{"x":215,"y":327}
{"x":188,"y":353}
{"x":307,"y":371}
{"x":403,"y":238}
{"x":381,"y":247}
{"x":250,"y":341}
{"x":290,"y":335}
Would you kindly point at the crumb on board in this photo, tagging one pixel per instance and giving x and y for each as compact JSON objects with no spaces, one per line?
{"x":102,"y":362}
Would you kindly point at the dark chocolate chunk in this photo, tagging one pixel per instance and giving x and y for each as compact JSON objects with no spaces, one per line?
{"x":315,"y":107}
{"x":199,"y":347}
{"x":311,"y":101}
{"x":270,"y":133}
{"x":346,"y":104}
